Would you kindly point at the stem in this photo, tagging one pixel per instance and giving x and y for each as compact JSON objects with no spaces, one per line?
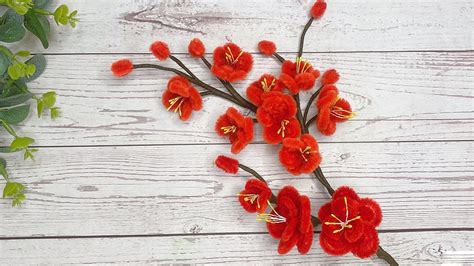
{"x":231,"y":89}
{"x":279,"y":57}
{"x":205,"y":93}
{"x":308,"y":105}
{"x":381,"y":253}
{"x":306,"y":27}
{"x":299,"y":114}
{"x":42,"y":12}
{"x":311,"y":120}
{"x":177,"y":61}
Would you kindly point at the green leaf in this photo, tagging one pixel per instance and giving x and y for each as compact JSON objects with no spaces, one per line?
{"x":23,"y":53}
{"x":15,"y":115}
{"x":15,"y":100}
{"x":4,"y":63}
{"x":40,"y":107}
{"x":20,"y":6}
{"x":3,"y":168}
{"x":29,"y":154}
{"x":39,"y":27}
{"x":49,"y":99}
{"x":40,"y":62}
{"x":13,"y":189}
{"x":61,"y":15}
{"x":21,"y":143}
{"x":30,"y":70}
{"x":18,"y":200}
{"x":55,"y":112}
{"x":11,"y":31}
{"x":41,"y":3}
{"x":5,"y":150}
{"x":15,"y":71}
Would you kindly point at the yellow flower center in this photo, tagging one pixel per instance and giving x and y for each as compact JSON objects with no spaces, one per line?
{"x":281,"y":130}
{"x":343,"y":224}
{"x":229,"y":56}
{"x":178,"y":101}
{"x":229,"y":129}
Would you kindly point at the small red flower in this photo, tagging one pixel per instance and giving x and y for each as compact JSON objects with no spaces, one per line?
{"x":290,"y":221}
{"x":231,"y":63}
{"x":122,"y":67}
{"x":318,"y":9}
{"x":255,"y":196}
{"x":277,"y":116}
{"x":330,"y":77}
{"x":181,"y":97}
{"x":267,"y":47}
{"x":236,"y":127}
{"x":196,"y":48}
{"x":332,"y":110}
{"x":300,"y":155}
{"x":227,"y":164}
{"x":298,"y":76}
{"x":160,"y":50}
{"x":266,"y":83}
{"x":348,"y":224}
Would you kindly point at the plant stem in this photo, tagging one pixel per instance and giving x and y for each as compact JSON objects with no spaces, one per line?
{"x":306,"y":27}
{"x":299,"y":115}
{"x":177,"y":61}
{"x":311,"y":120}
{"x":279,"y":57}
{"x":231,"y":89}
{"x":308,"y":105}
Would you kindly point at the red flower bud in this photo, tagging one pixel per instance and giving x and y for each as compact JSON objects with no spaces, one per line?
{"x":330,"y":77}
{"x":267,"y":47}
{"x":160,"y":50}
{"x":318,"y":9}
{"x":227,"y":164}
{"x":122,"y":67}
{"x":196,"y":48}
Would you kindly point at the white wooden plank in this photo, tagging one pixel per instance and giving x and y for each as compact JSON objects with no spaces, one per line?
{"x":408,"y":248}
{"x":398,"y":97}
{"x":176,"y":189}
{"x":369,"y":25}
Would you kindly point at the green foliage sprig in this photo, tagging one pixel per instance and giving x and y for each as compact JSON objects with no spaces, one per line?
{"x":19,"y":68}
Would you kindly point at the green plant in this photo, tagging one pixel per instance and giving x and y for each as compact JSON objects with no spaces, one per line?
{"x":19,"y":68}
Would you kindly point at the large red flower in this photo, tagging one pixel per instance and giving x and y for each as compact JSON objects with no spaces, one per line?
{"x":290,"y":221}
{"x":255,"y":196}
{"x":182,"y":98}
{"x":300,"y":155}
{"x":277,"y":116}
{"x":231,"y":63}
{"x":332,"y":110}
{"x":266,"y":83}
{"x":299,"y":75}
{"x":236,"y":127}
{"x":348,"y":224}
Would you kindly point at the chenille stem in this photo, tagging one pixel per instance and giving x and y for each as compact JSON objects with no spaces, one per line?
{"x":195,"y":81}
{"x":232,"y":90}
{"x":308,"y":105}
{"x":299,"y":114}
{"x":279,"y":57}
{"x":177,"y":61}
{"x":306,"y":27}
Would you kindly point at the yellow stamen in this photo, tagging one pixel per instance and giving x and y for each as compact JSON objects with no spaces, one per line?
{"x":229,"y":56}
{"x":302,"y":65}
{"x":306,"y":152}
{"x":265,"y":86}
{"x":229,"y":129}
{"x":341,"y":113}
{"x":271,"y":218}
{"x":341,"y":223}
{"x":173,"y":102}
{"x":251,"y":197}
{"x":282,"y":128}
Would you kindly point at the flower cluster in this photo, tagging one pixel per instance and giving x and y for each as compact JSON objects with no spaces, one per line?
{"x":348,"y":222}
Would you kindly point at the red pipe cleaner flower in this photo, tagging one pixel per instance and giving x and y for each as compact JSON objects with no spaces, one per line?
{"x":227,"y":164}
{"x":266,"y":83}
{"x":300,"y":155}
{"x":231,"y":63}
{"x":181,"y":97}
{"x":330,"y":77}
{"x":318,"y":9}
{"x":196,"y":48}
{"x":332,"y":110}
{"x":348,"y":224}
{"x":290,"y":221}
{"x":255,"y":196}
{"x":267,"y":47}
{"x":236,"y":127}
{"x":277,"y":116}
{"x":160,"y":50}
{"x":122,"y":67}
{"x":298,"y":76}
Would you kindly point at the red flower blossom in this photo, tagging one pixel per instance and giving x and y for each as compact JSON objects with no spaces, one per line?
{"x":267,"y":47}
{"x":160,"y":50}
{"x":332,"y":110}
{"x":266,"y":83}
{"x":348,"y":224}
{"x":122,"y":67}
{"x":300,"y":155}
{"x":330,"y":77}
{"x":318,"y":9}
{"x":231,"y":63}
{"x":181,"y":97}
{"x":196,"y":48}
{"x":290,"y":221}
{"x":236,"y":127}
{"x":227,"y":164}
{"x":298,"y":76}
{"x":277,"y":116}
{"x":255,"y":196}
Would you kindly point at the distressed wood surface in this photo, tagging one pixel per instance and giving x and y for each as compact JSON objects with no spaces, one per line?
{"x":177,"y":190}
{"x":409,"y":248}
{"x":128,"y":26}
{"x":119,"y":180}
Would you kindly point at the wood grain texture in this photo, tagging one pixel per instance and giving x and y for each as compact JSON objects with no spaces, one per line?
{"x":130,"y":26}
{"x":398,"y":97}
{"x":409,"y":248}
{"x":177,"y":190}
